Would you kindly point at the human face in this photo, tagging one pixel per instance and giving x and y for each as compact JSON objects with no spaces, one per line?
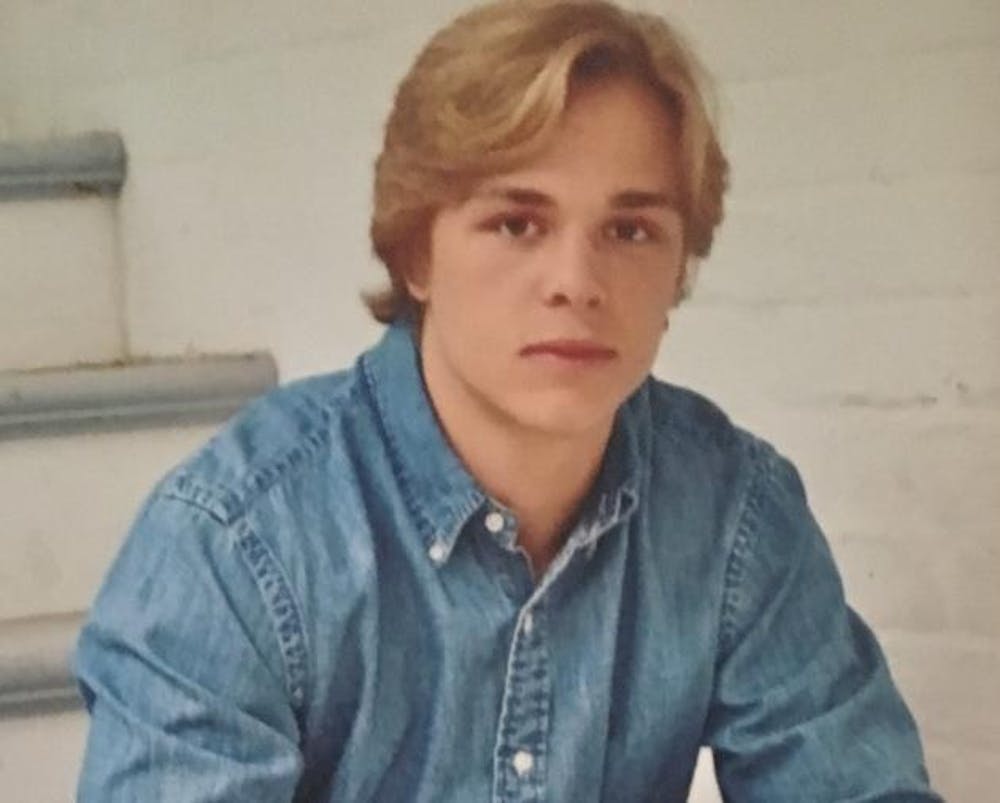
{"x":546,"y":291}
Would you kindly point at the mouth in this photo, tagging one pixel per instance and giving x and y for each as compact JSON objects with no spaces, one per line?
{"x":571,"y":351}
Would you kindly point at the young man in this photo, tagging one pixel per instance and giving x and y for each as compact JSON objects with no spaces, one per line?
{"x":496,"y":560}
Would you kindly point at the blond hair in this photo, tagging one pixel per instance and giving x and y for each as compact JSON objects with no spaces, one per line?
{"x":488,"y":90}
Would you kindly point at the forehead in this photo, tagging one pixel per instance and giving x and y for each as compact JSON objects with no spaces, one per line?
{"x":615,"y":139}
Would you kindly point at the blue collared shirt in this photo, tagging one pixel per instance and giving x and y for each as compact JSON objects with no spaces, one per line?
{"x":323,"y":605}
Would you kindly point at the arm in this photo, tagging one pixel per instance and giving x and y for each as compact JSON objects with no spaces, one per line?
{"x":182,"y":671}
{"x":804,"y":706}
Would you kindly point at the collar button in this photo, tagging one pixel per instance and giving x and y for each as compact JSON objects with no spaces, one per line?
{"x":438,"y":552}
{"x":494,"y":522}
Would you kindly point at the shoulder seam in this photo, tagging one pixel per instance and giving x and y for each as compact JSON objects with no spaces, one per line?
{"x":286,"y":616}
{"x":267,"y":475}
{"x":675,"y":427}
{"x":273,"y":586}
{"x":227,"y":503}
{"x":745,"y":522}
{"x":217,"y":504}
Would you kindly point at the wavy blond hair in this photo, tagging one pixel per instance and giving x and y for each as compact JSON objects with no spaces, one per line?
{"x":486,"y":93}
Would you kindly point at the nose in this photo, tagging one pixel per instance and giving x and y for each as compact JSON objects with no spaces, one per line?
{"x":573,"y":276}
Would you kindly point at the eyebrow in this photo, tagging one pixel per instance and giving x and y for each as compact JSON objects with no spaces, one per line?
{"x":627,"y":199}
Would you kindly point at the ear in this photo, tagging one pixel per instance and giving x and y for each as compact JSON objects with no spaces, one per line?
{"x":417,"y":270}
{"x":417,"y":278}
{"x":685,"y":277}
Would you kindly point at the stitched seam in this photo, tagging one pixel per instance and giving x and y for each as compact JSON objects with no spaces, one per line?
{"x":669,"y":423}
{"x":199,"y":498}
{"x":274,"y":589}
{"x":746,"y":522}
{"x":273,"y":472}
{"x":217,"y":503}
{"x":225,"y":504}
{"x":286,"y":617}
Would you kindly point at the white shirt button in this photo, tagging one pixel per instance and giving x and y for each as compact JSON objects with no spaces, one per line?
{"x":438,"y":552}
{"x":523,"y":762}
{"x":529,"y":623}
{"x":494,"y":522}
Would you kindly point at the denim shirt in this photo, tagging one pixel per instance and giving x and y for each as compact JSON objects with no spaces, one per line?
{"x":323,"y":605}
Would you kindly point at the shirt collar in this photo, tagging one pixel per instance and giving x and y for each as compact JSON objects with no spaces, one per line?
{"x":440,"y":492}
{"x":614,"y":496}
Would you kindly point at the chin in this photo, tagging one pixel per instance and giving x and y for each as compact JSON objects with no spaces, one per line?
{"x":564,"y":414}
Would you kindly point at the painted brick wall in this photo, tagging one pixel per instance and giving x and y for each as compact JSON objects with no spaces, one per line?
{"x":850,"y":313}
{"x":58,"y":283}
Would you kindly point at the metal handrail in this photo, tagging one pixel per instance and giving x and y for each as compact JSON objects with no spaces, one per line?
{"x":84,"y":164}
{"x":130,"y":395}
{"x":35,"y":664}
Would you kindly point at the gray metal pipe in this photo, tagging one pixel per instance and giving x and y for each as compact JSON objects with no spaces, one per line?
{"x":86,"y":164}
{"x":35,"y":664}
{"x":154,"y":393}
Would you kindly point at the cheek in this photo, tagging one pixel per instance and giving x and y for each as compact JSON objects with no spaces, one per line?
{"x":650,"y":294}
{"x":479,"y":285}
{"x":471,"y":305}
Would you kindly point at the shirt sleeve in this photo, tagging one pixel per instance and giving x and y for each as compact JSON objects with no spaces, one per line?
{"x":804,"y":707}
{"x":182,"y":670}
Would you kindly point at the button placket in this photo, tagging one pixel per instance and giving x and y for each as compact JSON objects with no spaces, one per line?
{"x":522,"y":737}
{"x":523,"y":762}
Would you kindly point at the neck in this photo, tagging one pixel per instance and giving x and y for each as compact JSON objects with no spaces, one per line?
{"x":543,"y":481}
{"x":541,"y":476}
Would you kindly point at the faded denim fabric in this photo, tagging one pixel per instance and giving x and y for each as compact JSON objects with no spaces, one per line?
{"x":322,"y":605}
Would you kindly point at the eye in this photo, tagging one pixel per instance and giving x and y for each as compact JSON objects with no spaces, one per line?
{"x":516,"y":227}
{"x":630,"y":231}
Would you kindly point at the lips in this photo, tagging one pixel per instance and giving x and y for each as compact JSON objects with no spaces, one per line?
{"x":572,"y":350}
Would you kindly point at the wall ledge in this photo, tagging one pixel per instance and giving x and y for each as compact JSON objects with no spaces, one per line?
{"x":85,"y":164}
{"x":35,"y":675}
{"x":132,"y":395}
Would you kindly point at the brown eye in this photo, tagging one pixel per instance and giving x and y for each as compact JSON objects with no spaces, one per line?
{"x":629,"y":231}
{"x":518,"y":226}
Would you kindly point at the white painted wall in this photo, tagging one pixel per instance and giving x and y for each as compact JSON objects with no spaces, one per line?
{"x":851,"y":312}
